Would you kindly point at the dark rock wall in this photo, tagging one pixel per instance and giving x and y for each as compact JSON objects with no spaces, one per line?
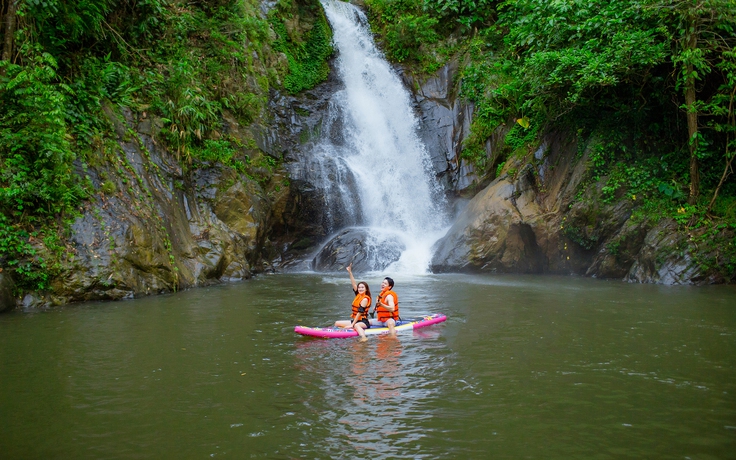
{"x":7,"y":299}
{"x":444,"y":123}
{"x":301,"y":218}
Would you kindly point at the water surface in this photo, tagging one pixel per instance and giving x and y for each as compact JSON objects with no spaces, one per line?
{"x":525,"y":367}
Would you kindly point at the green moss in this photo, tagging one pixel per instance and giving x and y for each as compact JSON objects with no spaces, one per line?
{"x":307,"y":50}
{"x":108,"y":187}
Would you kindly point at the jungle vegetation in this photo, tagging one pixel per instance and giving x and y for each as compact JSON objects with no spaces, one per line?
{"x":185,"y":63}
{"x":647,"y":85}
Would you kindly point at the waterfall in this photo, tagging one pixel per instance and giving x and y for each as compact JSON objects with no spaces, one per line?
{"x":372,"y":165}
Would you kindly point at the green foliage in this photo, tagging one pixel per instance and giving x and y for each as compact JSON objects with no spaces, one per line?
{"x":519,"y":136}
{"x":36,"y":168}
{"x":189,"y":112}
{"x":578,"y":236}
{"x":307,"y":52}
{"x":37,"y":182}
{"x":99,"y":80}
{"x":64,"y":28}
{"x":221,"y":151}
{"x":188,"y":65}
{"x":499,"y":168}
{"x":404,"y":38}
{"x":467,"y":13}
{"x":406,"y":28}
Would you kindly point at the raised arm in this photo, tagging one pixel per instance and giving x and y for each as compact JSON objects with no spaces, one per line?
{"x":349,"y":268}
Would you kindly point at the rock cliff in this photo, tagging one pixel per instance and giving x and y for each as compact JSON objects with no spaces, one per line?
{"x":156,"y":223}
{"x":543,"y":213}
{"x":534,"y":218}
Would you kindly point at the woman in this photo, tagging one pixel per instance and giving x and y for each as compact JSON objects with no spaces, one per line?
{"x":361,"y":304}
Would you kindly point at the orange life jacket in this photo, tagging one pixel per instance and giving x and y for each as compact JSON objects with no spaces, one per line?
{"x":383,"y":313}
{"x":356,"y":304}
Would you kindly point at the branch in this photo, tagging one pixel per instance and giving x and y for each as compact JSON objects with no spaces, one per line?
{"x":122,"y":41}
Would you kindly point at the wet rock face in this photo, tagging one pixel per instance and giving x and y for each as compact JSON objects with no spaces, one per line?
{"x":7,"y":300}
{"x":155,"y":229}
{"x":363,"y":250}
{"x":667,"y":257}
{"x":444,"y":124}
{"x":296,"y":126}
{"x":496,"y":232}
{"x":537,"y":221}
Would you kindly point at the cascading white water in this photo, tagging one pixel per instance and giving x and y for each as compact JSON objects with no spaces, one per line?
{"x":379,"y":167}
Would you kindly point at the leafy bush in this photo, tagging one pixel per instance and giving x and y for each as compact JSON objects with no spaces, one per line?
{"x":406,"y":36}
{"x":36,"y":167}
{"x":307,"y":56}
{"x":37,"y":182}
{"x":467,"y":13}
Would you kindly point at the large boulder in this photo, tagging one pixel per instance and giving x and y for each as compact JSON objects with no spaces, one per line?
{"x":495,"y":232}
{"x":357,"y":246}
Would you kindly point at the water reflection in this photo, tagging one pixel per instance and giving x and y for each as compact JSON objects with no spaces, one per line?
{"x":372,"y":392}
{"x":524,"y":367}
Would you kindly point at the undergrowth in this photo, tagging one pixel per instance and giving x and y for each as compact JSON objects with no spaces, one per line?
{"x":186,"y":65}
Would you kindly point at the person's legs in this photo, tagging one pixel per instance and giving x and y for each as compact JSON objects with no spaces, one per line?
{"x":391,"y":326}
{"x":360,"y":329}
{"x":343,"y":323}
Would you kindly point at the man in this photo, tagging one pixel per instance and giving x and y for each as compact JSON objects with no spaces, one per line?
{"x":387,"y":305}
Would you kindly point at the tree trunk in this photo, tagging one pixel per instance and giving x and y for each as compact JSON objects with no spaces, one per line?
{"x":691,"y":43}
{"x":9,"y":30}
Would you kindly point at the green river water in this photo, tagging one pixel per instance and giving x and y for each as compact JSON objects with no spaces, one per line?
{"x":525,"y":367}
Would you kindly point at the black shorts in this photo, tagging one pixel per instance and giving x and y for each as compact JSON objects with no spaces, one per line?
{"x":366,"y":322}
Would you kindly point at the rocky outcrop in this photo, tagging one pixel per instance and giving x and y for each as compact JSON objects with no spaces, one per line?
{"x":668,"y":256}
{"x":495,"y":232}
{"x":444,"y":124}
{"x":156,"y":228}
{"x":511,"y":226}
{"x":301,"y":219}
{"x":536,"y":220}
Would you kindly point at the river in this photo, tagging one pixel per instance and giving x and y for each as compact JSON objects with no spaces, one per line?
{"x":525,"y":367}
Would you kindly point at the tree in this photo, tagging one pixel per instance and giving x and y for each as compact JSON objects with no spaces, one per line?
{"x":705,"y":34}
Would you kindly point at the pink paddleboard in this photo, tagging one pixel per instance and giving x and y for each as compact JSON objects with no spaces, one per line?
{"x":408,"y":324}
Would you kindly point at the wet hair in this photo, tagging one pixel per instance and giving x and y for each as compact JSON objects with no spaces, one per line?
{"x":367,"y":289}
{"x":390,"y":282}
